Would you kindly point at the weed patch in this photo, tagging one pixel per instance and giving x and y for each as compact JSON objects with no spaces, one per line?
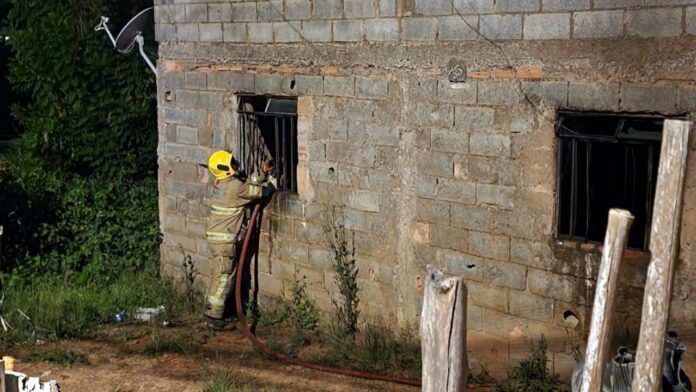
{"x":161,"y":345}
{"x":345,"y":271}
{"x":532,"y":374}
{"x":376,"y":349}
{"x":56,"y":307}
{"x":226,"y":382}
{"x":62,"y":357}
{"x":303,"y":314}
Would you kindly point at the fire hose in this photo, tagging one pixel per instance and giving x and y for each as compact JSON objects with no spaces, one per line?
{"x":243,"y":263}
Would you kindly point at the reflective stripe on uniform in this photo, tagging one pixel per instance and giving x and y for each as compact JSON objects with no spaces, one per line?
{"x":218,"y":236}
{"x":226,"y":211}
{"x":255,"y":191}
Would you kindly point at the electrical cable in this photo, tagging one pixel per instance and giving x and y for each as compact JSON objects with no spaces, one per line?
{"x":243,"y":263}
{"x":510,"y":67}
{"x":302,"y":36}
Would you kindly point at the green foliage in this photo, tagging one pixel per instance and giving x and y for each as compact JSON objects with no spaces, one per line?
{"x":303,"y":314}
{"x":345,"y":271}
{"x":531,"y":374}
{"x":59,"y":308}
{"x":227,"y":382}
{"x":63,"y":357}
{"x":377,"y":349}
{"x":78,"y":193}
{"x":161,"y":345}
{"x":192,"y":295}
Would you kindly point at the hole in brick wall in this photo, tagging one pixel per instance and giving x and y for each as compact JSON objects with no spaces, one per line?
{"x":292,"y":84}
{"x":332,"y":170}
{"x":570,"y":319}
{"x":168,"y":96}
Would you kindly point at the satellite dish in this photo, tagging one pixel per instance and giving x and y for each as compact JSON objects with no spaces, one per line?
{"x":132,"y":33}
{"x":135,"y":27}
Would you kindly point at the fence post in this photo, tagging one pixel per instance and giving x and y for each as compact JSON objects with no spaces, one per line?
{"x":664,"y":245}
{"x":599,"y":340}
{"x":443,"y":333}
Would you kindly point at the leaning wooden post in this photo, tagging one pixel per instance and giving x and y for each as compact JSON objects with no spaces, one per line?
{"x":664,"y":242}
{"x":443,"y":334}
{"x":598,"y":342}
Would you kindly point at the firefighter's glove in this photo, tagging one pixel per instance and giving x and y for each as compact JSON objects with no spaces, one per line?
{"x":270,"y":187}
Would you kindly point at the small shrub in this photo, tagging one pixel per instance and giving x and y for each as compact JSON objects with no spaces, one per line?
{"x":66,"y":358}
{"x":531,"y":374}
{"x":303,"y":314}
{"x":345,"y":271}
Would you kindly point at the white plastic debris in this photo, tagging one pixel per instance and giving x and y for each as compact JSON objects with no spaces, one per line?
{"x":25,"y":383}
{"x":147,"y":314}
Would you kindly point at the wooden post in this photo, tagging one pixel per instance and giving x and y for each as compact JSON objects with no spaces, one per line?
{"x":599,"y":340}
{"x":443,"y":334}
{"x":2,"y":376}
{"x":664,"y":244}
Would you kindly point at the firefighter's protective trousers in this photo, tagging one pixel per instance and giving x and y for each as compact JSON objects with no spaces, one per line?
{"x":229,"y":200}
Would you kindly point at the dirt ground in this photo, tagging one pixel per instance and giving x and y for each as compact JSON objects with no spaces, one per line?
{"x":115,"y":363}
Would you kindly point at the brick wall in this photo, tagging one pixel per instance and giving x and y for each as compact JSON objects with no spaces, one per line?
{"x":460,"y":175}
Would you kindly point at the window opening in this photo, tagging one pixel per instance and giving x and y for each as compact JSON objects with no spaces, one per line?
{"x":268,"y":130}
{"x":606,"y":161}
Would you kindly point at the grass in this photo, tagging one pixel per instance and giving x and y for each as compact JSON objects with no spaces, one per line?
{"x":226,"y":382}
{"x":63,"y":357}
{"x":376,"y":349}
{"x":52,"y":308}
{"x":166,"y":345}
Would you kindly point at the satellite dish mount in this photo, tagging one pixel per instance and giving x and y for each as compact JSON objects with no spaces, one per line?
{"x":131,"y":34}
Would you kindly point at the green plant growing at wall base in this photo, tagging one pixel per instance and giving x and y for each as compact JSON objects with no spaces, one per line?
{"x":532,"y":374}
{"x":303,"y":314}
{"x":188,"y":269}
{"x":345,"y":270}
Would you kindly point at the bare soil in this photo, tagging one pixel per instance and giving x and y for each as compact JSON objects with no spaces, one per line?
{"x":116,"y":363}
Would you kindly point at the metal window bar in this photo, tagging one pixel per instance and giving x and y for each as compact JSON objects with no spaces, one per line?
{"x":578,"y":228}
{"x":281,"y":136}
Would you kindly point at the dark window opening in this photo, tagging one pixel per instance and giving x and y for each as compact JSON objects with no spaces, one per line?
{"x":268,"y":130}
{"x":606,"y":161}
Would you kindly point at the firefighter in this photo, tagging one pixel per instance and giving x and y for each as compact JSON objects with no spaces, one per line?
{"x":230,"y":196}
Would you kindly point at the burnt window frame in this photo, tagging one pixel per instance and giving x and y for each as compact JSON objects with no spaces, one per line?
{"x":571,"y":134}
{"x":284,"y":123}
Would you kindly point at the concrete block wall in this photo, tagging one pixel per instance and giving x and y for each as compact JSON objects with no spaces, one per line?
{"x":418,"y":20}
{"x":424,"y":171}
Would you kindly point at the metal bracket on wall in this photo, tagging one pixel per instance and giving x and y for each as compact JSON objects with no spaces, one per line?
{"x":457,"y":74}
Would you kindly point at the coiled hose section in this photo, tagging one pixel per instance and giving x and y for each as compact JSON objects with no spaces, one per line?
{"x":243,"y":264}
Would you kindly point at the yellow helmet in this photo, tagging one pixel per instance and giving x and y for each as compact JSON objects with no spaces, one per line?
{"x":220,"y":165}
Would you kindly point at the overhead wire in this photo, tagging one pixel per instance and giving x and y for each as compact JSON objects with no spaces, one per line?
{"x":509,"y":66}
{"x":298,"y":31}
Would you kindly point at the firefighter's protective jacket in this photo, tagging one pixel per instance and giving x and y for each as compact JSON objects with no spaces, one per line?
{"x":228,"y":200}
